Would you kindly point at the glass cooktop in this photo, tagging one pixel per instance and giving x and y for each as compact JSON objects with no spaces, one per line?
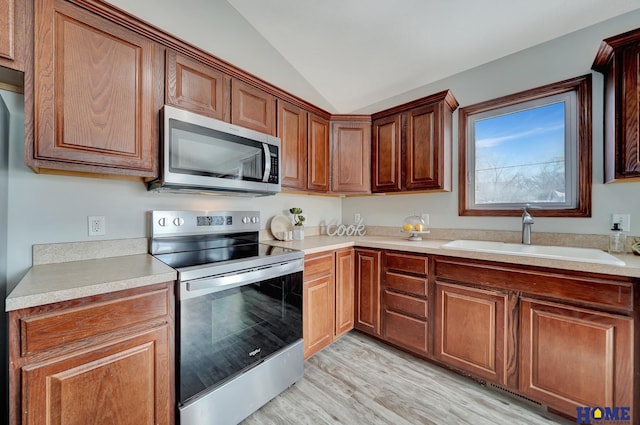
{"x":214,"y":256}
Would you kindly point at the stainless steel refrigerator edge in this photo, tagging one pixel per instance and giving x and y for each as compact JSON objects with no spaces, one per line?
{"x":11,"y":117}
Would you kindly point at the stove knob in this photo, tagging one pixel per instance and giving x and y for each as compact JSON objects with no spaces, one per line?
{"x":245,"y":220}
{"x":254,"y":220}
{"x":178,"y":221}
{"x":163,"y":221}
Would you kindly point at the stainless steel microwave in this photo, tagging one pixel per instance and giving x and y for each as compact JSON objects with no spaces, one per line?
{"x":202,"y":154}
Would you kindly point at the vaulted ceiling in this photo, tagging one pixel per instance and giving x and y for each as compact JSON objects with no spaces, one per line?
{"x":358,"y":52}
{"x":348,"y":55}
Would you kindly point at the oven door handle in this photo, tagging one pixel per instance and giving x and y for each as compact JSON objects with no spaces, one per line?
{"x":208,"y":285}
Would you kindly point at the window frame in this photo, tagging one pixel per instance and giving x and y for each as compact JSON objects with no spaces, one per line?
{"x":581,"y":86}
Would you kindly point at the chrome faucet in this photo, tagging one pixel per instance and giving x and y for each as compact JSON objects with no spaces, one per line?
{"x":527,"y":221}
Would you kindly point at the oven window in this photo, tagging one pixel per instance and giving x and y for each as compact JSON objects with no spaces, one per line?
{"x":224,"y":333}
{"x":207,"y":152}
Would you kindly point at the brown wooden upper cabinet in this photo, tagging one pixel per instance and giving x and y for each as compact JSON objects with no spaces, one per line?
{"x":350,"y":155}
{"x":387,"y":154}
{"x":252,"y":108}
{"x":411,"y":145}
{"x":292,"y":131}
{"x":95,"y":94}
{"x":619,"y":60}
{"x":13,"y":42}
{"x":318,"y":154}
{"x":196,"y":87}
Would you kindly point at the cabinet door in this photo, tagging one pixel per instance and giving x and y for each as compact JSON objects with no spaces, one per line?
{"x":619,"y":60}
{"x":318,"y":142}
{"x":125,"y":383}
{"x":367,"y":300}
{"x":629,"y":125}
{"x":386,"y":154}
{"x":571,"y":357}
{"x":95,"y":103}
{"x":344,"y":291}
{"x":292,"y":131}
{"x":318,"y":314}
{"x":422,"y":150}
{"x":13,"y":43}
{"x":193,"y":86}
{"x":350,"y":158}
{"x":470,"y":326}
{"x":252,"y":108}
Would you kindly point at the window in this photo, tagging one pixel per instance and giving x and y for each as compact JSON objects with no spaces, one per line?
{"x":533,"y":148}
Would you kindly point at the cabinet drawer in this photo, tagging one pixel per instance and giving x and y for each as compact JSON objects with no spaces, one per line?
{"x":62,"y":327}
{"x":318,"y":265}
{"x":405,"y":331}
{"x":405,"y":304}
{"x":406,"y":263}
{"x":410,"y":284}
{"x":592,"y":289}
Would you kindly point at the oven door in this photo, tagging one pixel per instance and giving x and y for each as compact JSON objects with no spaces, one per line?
{"x":227,"y":327}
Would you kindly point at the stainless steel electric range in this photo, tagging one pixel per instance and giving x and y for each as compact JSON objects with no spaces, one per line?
{"x":239,"y":313}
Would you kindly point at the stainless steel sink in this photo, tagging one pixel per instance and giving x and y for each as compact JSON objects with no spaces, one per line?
{"x":586,"y":255}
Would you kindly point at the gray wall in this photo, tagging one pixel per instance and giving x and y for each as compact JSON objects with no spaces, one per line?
{"x":218,"y":28}
{"x":562,"y":58}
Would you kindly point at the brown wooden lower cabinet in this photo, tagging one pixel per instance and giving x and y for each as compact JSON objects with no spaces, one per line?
{"x":367,"y":287}
{"x":117,"y":383}
{"x":565,"y":339}
{"x":573,"y":357}
{"x":470,"y":330}
{"x":328,"y":298}
{"x":406,"y":331}
{"x":318,"y":314}
{"x":102,"y":360}
{"x":345,"y":289}
{"x":405,"y":289}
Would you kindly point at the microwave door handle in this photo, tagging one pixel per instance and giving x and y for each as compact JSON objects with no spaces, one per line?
{"x":267,"y":162}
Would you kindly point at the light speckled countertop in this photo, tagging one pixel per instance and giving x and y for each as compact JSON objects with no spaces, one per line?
{"x":432,"y":246}
{"x":62,"y":281}
{"x":71,"y":270}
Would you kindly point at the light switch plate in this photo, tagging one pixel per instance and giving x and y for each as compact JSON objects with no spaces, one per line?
{"x":623,"y":219}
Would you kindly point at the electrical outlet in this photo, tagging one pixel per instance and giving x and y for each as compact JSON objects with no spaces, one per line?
{"x":425,"y":218}
{"x":623,"y":219}
{"x":97,"y":225}
{"x":356,"y":217}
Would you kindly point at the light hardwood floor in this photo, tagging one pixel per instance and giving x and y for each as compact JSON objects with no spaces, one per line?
{"x":358,"y":380}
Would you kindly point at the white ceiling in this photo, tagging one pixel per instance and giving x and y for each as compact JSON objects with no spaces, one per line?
{"x":358,"y":52}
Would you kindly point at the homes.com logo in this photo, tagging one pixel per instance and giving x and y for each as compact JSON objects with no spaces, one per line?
{"x":603,"y":415}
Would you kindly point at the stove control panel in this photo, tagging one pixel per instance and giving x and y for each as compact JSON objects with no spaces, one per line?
{"x":168,"y":223}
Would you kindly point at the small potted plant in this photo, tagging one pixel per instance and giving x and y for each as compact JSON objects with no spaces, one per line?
{"x":298,"y":223}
